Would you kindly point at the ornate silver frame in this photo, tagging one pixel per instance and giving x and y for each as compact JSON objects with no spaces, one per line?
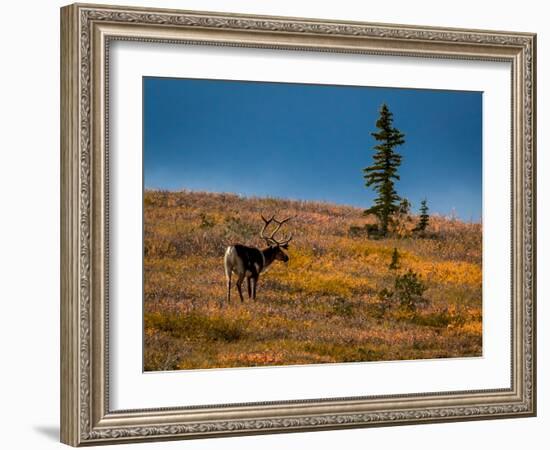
{"x":86,"y":31}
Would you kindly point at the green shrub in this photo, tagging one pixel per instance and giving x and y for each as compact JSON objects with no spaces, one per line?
{"x":441,"y":319}
{"x":236,"y":229}
{"x":373,"y":232}
{"x":343,"y":307}
{"x":357,"y":231}
{"x":409,"y":290}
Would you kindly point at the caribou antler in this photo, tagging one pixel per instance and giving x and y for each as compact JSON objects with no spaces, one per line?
{"x":271,"y":238}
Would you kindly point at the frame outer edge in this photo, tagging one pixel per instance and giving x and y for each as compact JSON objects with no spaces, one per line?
{"x":70,"y":299}
{"x":533,"y":136}
{"x":79,"y":407}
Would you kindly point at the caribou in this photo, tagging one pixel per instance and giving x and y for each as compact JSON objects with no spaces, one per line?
{"x":249,"y":262}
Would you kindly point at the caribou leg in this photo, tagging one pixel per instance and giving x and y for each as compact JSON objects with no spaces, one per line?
{"x":254,"y":284}
{"x":239,"y":287}
{"x":248,"y":287}
{"x":228,"y":287}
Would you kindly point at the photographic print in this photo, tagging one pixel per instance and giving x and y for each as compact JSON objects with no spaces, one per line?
{"x":292,"y":224}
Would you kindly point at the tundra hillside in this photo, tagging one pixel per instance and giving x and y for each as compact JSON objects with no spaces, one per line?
{"x":326,"y":305}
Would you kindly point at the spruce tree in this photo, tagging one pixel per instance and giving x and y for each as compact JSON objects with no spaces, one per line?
{"x":383,"y":172}
{"x":394,"y":264}
{"x":424,"y":219}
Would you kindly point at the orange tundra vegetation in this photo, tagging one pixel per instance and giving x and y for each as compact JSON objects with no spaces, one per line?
{"x":323,"y":306}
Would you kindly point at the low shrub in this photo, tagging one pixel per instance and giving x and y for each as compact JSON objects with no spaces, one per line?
{"x":373,"y":232}
{"x":355,"y":231}
{"x":343,"y":307}
{"x":195,"y":325}
{"x":409,"y":290}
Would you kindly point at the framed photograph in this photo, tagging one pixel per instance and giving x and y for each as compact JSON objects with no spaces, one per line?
{"x":274,"y":224}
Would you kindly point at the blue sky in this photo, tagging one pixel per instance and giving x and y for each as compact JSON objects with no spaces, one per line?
{"x":310,"y":142}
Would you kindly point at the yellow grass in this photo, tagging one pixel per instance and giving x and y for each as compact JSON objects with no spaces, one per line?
{"x":320,"y":307}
